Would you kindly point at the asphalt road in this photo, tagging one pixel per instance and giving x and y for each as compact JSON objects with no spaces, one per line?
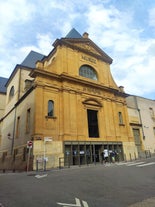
{"x":114,"y":185}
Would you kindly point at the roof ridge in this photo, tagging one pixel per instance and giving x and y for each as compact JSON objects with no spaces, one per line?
{"x":73,"y":34}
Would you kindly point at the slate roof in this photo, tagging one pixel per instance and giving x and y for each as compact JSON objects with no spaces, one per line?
{"x":31,"y":59}
{"x":3,"y":81}
{"x":73,"y":34}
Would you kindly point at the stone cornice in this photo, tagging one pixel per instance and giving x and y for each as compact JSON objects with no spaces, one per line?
{"x":78,"y":80}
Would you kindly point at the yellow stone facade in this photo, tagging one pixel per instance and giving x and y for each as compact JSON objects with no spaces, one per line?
{"x":87,"y":114}
{"x":57,"y":78}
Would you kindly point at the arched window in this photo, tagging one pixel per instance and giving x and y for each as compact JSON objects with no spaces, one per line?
{"x":50,"y":108}
{"x":120,"y":116}
{"x":12,"y":91}
{"x":88,"y":72}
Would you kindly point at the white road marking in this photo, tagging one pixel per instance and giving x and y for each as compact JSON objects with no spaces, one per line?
{"x":135,"y":163}
{"x":145,"y":203}
{"x":41,"y":176}
{"x":146,"y":164}
{"x":85,"y":204}
{"x":124,"y":163}
{"x":77,"y":204}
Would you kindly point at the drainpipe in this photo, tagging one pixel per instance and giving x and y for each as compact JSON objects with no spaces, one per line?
{"x":139,"y":116}
{"x":13,"y":135}
{"x":14,"y":125}
{"x":19,"y":84}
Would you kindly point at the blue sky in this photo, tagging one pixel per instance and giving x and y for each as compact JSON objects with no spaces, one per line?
{"x":124,"y":29}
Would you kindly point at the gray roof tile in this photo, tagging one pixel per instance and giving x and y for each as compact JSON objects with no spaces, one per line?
{"x":3,"y":81}
{"x":31,"y":59}
{"x":73,"y":34}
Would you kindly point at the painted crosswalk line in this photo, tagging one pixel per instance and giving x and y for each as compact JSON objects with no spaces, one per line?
{"x":146,"y":164}
{"x":41,"y":176}
{"x":77,"y":204}
{"x":135,"y":163}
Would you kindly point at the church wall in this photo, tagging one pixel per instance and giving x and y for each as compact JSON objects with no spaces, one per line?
{"x":16,"y":134}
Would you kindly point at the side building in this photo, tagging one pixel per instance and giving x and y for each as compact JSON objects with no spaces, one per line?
{"x":72,"y":109}
{"x":15,"y":128}
{"x":142,"y":121}
{"x":2,"y":101}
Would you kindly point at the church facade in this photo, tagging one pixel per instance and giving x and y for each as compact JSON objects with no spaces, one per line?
{"x":72,"y":109}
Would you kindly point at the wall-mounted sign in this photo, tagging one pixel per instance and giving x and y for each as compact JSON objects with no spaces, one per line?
{"x":92,"y":90}
{"x":90,"y":59}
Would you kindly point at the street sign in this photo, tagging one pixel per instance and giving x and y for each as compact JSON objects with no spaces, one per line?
{"x":48,"y":139}
{"x":29,"y":144}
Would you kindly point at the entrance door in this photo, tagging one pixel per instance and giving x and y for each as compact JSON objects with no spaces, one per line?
{"x":96,"y":153}
{"x":136,"y":134}
{"x":92,"y":123}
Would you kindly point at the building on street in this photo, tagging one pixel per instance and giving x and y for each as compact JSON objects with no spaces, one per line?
{"x":68,"y":104}
{"x":142,"y":121}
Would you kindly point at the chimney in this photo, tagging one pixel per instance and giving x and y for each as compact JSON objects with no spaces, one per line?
{"x":121,"y":89}
{"x":85,"y":35}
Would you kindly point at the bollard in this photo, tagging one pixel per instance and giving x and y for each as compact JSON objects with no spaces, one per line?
{"x":44,"y":164}
{"x":37,"y":165}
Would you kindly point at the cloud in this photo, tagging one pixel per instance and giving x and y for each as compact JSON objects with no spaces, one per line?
{"x":117,"y":28}
{"x":152,"y":17}
{"x":11,"y":13}
{"x":133,"y":55}
{"x":136,"y":72}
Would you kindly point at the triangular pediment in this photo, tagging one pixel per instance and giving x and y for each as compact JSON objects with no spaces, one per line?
{"x":88,"y":47}
{"x":92,"y":102}
{"x":85,"y":45}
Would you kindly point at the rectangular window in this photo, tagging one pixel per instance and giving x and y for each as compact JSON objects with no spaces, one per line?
{"x":18,"y":127}
{"x":92,"y":123}
{"x":120,"y":117}
{"x":24,"y":153}
{"x":136,"y":134}
{"x":151,"y":112}
{"x":15,"y":152}
{"x":28,"y":84}
{"x":154,"y":130}
{"x":4,"y":156}
{"x":28,"y":121}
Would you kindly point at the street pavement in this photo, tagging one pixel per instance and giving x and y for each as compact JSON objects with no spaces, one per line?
{"x":125,"y":184}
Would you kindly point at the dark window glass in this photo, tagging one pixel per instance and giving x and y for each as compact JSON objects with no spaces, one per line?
{"x":50,"y":108}
{"x":120,"y":117}
{"x":88,"y":72}
{"x":12,"y":91}
{"x":28,"y":120}
{"x":92,"y":123}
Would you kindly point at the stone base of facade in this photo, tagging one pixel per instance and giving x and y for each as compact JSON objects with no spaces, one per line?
{"x":57,"y":154}
{"x":130,"y":151}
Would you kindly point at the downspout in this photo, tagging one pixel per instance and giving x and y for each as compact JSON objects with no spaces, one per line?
{"x":19,"y":84}
{"x":139,"y":116}
{"x":13,"y":135}
{"x":14,"y":125}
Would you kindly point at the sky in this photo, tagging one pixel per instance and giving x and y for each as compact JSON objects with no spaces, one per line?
{"x":124,"y":29}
